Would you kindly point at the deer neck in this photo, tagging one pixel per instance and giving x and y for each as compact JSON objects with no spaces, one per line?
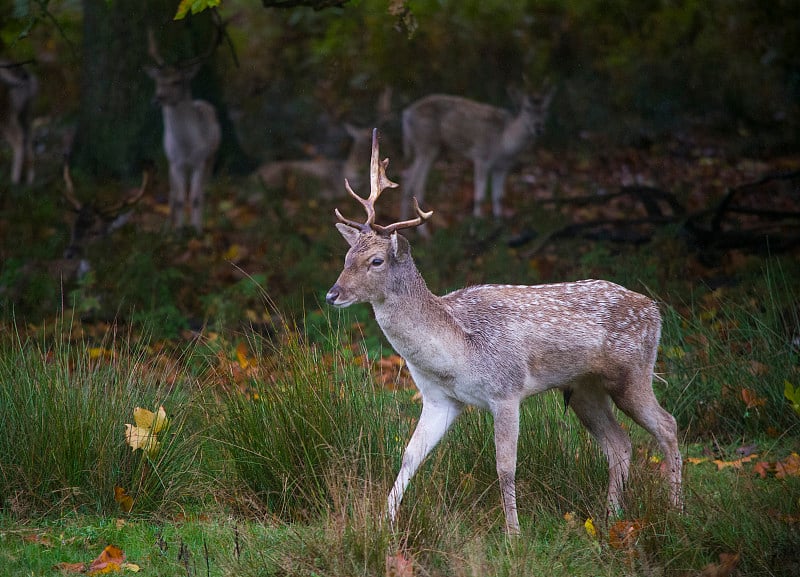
{"x":517,"y":134}
{"x":417,"y":323}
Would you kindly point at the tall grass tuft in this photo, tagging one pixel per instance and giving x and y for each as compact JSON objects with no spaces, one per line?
{"x":308,"y":412}
{"x":727,"y":357}
{"x":63,"y":409}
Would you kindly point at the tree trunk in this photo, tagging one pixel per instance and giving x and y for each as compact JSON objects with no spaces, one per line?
{"x":119,"y":126}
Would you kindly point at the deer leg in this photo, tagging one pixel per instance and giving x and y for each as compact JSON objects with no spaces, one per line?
{"x":29,"y":171}
{"x":196,"y":197}
{"x":592,"y":405}
{"x":481,"y":178}
{"x":16,"y":138}
{"x":417,"y":175}
{"x":498,"y":191}
{"x":506,"y":436}
{"x":433,"y":423}
{"x":639,"y":402}
{"x":177,"y":194}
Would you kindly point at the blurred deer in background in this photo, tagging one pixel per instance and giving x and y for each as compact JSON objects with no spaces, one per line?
{"x":330,"y":173}
{"x":191,"y":133}
{"x":327,"y":172}
{"x":491,"y":346}
{"x":18,"y":89}
{"x":92,"y":221}
{"x":490,"y":137}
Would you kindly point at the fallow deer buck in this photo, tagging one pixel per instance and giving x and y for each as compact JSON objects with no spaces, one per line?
{"x":191,"y":133}
{"x":492,"y":138}
{"x":491,"y":346}
{"x":18,"y":89}
{"x":93,"y":221}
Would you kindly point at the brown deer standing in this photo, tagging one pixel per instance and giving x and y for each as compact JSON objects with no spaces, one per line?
{"x":191,"y":133}
{"x":490,"y":137}
{"x":491,"y":346}
{"x":18,"y":89}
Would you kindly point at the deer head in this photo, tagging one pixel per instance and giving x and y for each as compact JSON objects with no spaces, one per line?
{"x":92,"y":221}
{"x":375,"y":249}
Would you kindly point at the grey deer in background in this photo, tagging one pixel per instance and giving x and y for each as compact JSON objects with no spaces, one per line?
{"x":18,"y":89}
{"x":191,"y":133}
{"x":490,"y":137}
{"x":492,"y":346}
{"x":330,"y":173}
{"x":92,"y":221}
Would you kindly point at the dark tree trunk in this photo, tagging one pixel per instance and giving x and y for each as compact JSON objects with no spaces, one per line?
{"x":119,"y":126}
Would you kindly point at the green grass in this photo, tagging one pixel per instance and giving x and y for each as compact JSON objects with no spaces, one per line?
{"x":284,"y":470}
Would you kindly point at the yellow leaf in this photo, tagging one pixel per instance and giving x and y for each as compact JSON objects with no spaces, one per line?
{"x":148,"y":420}
{"x":241,"y":355}
{"x":111,"y":559}
{"x":590,"y":528}
{"x":142,"y":438}
{"x":132,"y":567}
{"x":99,"y":352}
{"x":737,"y":464}
{"x":696,"y":460}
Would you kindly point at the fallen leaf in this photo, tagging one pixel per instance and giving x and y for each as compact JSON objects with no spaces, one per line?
{"x":727,"y":564}
{"x":752,"y":400}
{"x":125,"y":501}
{"x":141,"y":438}
{"x":591,"y":530}
{"x":149,"y":420}
{"x":132,"y":567}
{"x":65,"y":567}
{"x":110,"y":560}
{"x":737,"y":464}
{"x":789,"y":467}
{"x":623,"y":534}
{"x":399,"y":565}
{"x":37,"y":539}
{"x":696,"y":460}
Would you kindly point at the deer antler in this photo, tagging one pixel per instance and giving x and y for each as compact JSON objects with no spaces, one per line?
{"x":113,"y":210}
{"x":69,"y":191}
{"x":110,"y":211}
{"x":378,"y":183}
{"x":152,"y":48}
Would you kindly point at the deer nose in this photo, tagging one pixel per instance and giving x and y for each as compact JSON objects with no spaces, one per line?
{"x":332,"y":295}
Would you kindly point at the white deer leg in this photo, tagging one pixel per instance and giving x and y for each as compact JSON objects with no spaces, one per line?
{"x":506,"y":435}
{"x":177,"y":194}
{"x":433,"y":423}
{"x":640,"y":404}
{"x":498,"y":191}
{"x":16,"y":138}
{"x":481,"y":178}
{"x":196,"y":197}
{"x":593,"y":407}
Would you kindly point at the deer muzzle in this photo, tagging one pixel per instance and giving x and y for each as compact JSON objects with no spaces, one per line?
{"x":333,"y":297}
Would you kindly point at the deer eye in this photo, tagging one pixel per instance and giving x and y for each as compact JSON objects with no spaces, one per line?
{"x":377,"y":261}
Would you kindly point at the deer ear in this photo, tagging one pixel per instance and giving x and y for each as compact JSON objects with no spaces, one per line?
{"x":348,"y":232}
{"x":401,"y":249}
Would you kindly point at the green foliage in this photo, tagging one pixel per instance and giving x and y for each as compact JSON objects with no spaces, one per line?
{"x":63,"y":407}
{"x":314,"y":413}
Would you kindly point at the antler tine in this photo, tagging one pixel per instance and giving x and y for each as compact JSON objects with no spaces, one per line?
{"x":378,"y":182}
{"x":69,"y":192}
{"x":114,"y":209}
{"x":152,"y":47}
{"x":421,"y":217}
